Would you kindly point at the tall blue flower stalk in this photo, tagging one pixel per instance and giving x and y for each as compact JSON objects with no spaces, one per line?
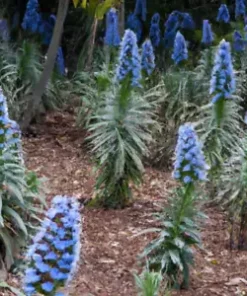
{"x":207,"y":34}
{"x":141,"y":9}
{"x":222,"y":84}
{"x":112,"y":37}
{"x":180,"y":51}
{"x":223,"y":14}
{"x":4,"y":30}
{"x":55,"y":252}
{"x":32,"y":18}
{"x":60,"y":62}
{"x":240,"y":8}
{"x":154,"y":33}
{"x":238,"y":42}
{"x":171,"y":26}
{"x":175,"y":21}
{"x":129,"y":64}
{"x":134,"y":24}
{"x":148,"y":58}
{"x":46,"y":29}
{"x":187,"y":22}
{"x":190,"y":165}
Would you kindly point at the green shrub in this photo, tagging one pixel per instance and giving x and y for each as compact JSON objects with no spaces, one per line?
{"x":119,"y":138}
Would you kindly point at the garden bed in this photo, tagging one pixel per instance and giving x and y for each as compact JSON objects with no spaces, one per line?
{"x":110,"y":247}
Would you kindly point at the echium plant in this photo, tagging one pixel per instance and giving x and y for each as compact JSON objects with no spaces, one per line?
{"x":172,"y":251}
{"x":207,"y":34}
{"x":141,"y":9}
{"x":223,"y":14}
{"x":112,"y":37}
{"x":180,"y":51}
{"x":121,"y":129}
{"x":147,"y":57}
{"x":154,"y":33}
{"x":238,"y":42}
{"x":55,"y":252}
{"x":129,"y":65}
{"x":32,"y":18}
{"x":220,"y":124}
{"x":240,"y":8}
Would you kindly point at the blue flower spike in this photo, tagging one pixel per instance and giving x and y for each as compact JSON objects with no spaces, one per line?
{"x":180,"y":51}
{"x":148,"y":58}
{"x":190,"y":165}
{"x":207,"y":34}
{"x":129,"y":63}
{"x":112,"y":36}
{"x":238,"y":42}
{"x":240,"y":9}
{"x":222,"y":84}
{"x":223,"y":14}
{"x":141,"y":9}
{"x":155,"y":33}
{"x":32,"y":18}
{"x":55,"y":252}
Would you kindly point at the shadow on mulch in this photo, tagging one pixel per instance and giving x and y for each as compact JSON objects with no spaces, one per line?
{"x":110,"y":247}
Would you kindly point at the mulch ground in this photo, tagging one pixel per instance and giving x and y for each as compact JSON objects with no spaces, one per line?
{"x":110,"y":246}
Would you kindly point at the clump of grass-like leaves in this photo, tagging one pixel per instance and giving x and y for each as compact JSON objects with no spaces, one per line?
{"x":19,"y":190}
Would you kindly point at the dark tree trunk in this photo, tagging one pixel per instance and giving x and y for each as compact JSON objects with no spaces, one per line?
{"x":34,"y":99}
{"x":92,"y":44}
